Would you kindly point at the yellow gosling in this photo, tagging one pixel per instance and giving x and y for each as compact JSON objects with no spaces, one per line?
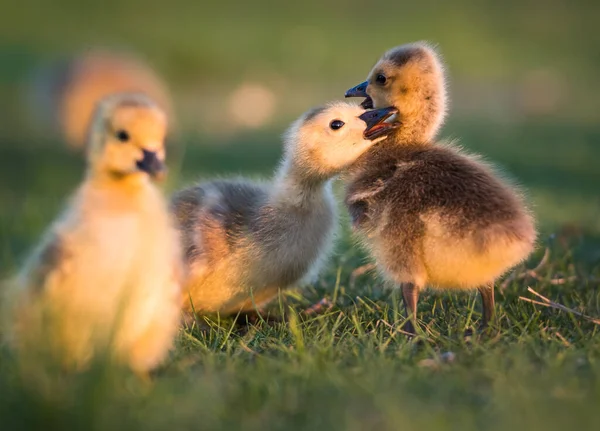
{"x":107,"y":274}
{"x":244,"y":241}
{"x":64,"y":94}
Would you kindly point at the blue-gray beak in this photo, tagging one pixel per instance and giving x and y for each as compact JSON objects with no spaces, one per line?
{"x":150,"y":163}
{"x":376,"y":122}
{"x":361,"y":91}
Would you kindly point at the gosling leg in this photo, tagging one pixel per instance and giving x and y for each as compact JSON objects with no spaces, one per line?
{"x":487,"y":300}
{"x":410,"y":296}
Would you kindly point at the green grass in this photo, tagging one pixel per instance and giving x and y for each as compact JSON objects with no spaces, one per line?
{"x":350,"y":368}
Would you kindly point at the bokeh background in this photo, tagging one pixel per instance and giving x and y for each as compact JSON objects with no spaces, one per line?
{"x":523,"y":79}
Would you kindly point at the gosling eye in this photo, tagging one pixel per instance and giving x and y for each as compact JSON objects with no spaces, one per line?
{"x":122,"y":135}
{"x":336,"y":124}
{"x":380,"y":79}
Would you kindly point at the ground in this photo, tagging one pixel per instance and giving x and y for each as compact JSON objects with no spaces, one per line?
{"x":350,"y":368}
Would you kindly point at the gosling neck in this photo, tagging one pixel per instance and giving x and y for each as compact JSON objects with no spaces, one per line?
{"x":415,"y":130}
{"x":130,"y":183}
{"x":292,"y":185}
{"x":420,"y":121}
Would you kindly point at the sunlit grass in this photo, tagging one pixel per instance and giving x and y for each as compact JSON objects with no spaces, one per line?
{"x":350,"y":368}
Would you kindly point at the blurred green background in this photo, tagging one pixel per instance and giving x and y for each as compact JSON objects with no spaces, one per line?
{"x":523,"y":79}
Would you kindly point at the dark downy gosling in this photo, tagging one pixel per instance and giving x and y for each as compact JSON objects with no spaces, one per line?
{"x":107,"y":275}
{"x":430,"y":214}
{"x":244,"y":241}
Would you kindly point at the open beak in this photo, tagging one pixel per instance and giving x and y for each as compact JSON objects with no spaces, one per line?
{"x":151,"y":164}
{"x":380,"y":122}
{"x":361,"y":91}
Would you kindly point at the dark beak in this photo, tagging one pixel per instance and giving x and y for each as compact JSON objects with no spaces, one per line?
{"x":361,"y":91}
{"x":150,"y":164}
{"x":377,"y":124}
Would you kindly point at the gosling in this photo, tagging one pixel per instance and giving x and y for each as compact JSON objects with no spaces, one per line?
{"x":63,"y":95}
{"x":243,"y":241}
{"x":107,"y":275}
{"x":430,"y":214}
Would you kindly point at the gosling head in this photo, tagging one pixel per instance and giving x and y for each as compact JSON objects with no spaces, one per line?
{"x":411,"y":78}
{"x":127,"y":138}
{"x":327,"y":140}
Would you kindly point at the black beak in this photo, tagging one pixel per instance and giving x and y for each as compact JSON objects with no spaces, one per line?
{"x":150,"y":163}
{"x":376,"y":122}
{"x":361,"y":91}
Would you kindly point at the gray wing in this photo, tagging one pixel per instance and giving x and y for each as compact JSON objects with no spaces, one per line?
{"x":223,"y":211}
{"x":44,"y":260}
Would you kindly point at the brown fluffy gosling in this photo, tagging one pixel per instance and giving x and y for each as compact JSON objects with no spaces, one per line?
{"x":430,"y":214}
{"x":107,"y":273}
{"x":244,"y":241}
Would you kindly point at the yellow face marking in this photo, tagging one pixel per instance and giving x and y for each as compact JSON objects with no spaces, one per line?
{"x":130,"y":132}
{"x":145,"y":126}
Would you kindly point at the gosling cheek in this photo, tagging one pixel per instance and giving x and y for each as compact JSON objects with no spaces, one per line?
{"x":115,"y":159}
{"x":380,"y":98}
{"x":381,"y":101}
